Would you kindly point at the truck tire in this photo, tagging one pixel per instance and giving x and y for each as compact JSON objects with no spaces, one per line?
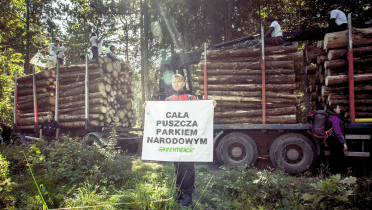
{"x":18,"y":140}
{"x":237,"y":149}
{"x":89,"y":139}
{"x":293,"y":152}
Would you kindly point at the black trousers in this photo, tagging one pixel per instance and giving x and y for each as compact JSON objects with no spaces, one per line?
{"x":337,"y":162}
{"x":185,"y":173}
{"x":95,"y":52}
{"x":335,"y":27}
{"x":273,"y":40}
{"x":48,"y":138}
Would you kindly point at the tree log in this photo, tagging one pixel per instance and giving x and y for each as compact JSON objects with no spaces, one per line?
{"x":249,"y":65}
{"x":40,"y":103}
{"x":333,"y":80}
{"x":81,"y":103}
{"x":251,"y":87}
{"x":26,"y":115}
{"x":236,"y":79}
{"x":252,"y":99}
{"x":249,"y":52}
{"x":335,"y":72}
{"x":244,"y":113}
{"x":80,"y":97}
{"x":344,"y":90}
{"x":94,"y":110}
{"x":78,"y":124}
{"x":73,"y":118}
{"x":346,"y":97}
{"x":296,"y":56}
{"x":79,"y":67}
{"x":29,"y":91}
{"x":341,"y":53}
{"x":41,"y":83}
{"x":251,"y":94}
{"x":200,"y":72}
{"x":321,"y":58}
{"x":311,"y":69}
{"x":280,"y":119}
{"x":311,"y":53}
{"x":361,"y":36}
{"x":92,"y":74}
{"x":95,"y":87}
{"x":39,"y":76}
{"x":356,"y":101}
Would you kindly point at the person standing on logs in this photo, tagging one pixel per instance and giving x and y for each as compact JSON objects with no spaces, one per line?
{"x":6,"y":132}
{"x":49,"y":128}
{"x":274,"y":36}
{"x":53,"y":48}
{"x":338,"y":20}
{"x":185,"y":171}
{"x":335,"y":140}
{"x":62,"y":53}
{"x":94,"y":41}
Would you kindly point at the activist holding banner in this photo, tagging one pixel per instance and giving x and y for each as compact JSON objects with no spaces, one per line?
{"x":194,"y":123}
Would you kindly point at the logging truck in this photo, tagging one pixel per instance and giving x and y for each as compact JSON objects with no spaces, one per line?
{"x":88,"y":101}
{"x":256,"y":111}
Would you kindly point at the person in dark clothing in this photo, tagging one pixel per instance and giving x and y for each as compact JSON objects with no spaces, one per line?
{"x":335,"y":140}
{"x":338,"y":20}
{"x":49,"y":129}
{"x":185,"y":171}
{"x":6,"y":133}
{"x":82,"y":59}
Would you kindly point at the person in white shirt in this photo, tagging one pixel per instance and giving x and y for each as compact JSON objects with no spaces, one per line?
{"x":274,"y":36}
{"x":110,"y":52}
{"x":94,"y":41}
{"x":53,"y":48}
{"x":62,"y":53}
{"x":338,"y":20}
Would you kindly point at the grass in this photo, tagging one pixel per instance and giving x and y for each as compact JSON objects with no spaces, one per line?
{"x":69,"y":175}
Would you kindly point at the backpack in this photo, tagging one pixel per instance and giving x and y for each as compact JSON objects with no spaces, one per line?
{"x":189,"y":97}
{"x":318,"y":123}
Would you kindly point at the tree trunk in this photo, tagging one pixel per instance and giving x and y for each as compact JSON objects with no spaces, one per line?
{"x":356,"y":101}
{"x":321,"y":58}
{"x":333,"y":80}
{"x":74,"y":118}
{"x":361,"y":36}
{"x":79,"y":67}
{"x":232,"y":79}
{"x":77,"y":124}
{"x":297,"y":56}
{"x":252,"y":87}
{"x":27,"y":115}
{"x":221,"y":53}
{"x":244,"y":113}
{"x":341,"y":53}
{"x":344,"y":90}
{"x":95,"y":87}
{"x":249,"y":65}
{"x":40,"y":103}
{"x":346,"y":97}
{"x":311,"y":69}
{"x":280,"y":119}
{"x":252,"y":99}
{"x":78,"y":84}
{"x":200,"y":72}
{"x":82,"y":97}
{"x":81,"y":103}
{"x":92,"y":74}
{"x":45,"y":82}
{"x":38,"y":76}
{"x":311,"y":54}
{"x":251,"y":94}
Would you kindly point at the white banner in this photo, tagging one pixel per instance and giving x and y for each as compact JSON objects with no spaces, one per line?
{"x":178,"y":131}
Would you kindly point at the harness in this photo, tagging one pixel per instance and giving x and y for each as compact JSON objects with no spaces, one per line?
{"x":189,"y":97}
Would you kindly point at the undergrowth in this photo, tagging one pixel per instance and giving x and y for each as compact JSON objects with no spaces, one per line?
{"x":70,"y":175}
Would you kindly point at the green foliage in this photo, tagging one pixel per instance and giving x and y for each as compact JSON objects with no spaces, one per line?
{"x":6,"y":185}
{"x":331,"y":194}
{"x":10,"y":62}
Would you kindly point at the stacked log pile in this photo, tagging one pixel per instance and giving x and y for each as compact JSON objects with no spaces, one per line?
{"x":110,"y":95}
{"x":234,"y":79}
{"x":331,"y":75}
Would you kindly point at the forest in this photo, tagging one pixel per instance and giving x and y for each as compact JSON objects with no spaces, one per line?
{"x":64,"y":174}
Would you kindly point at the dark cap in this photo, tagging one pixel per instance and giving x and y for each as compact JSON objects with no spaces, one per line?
{"x":51,"y":113}
{"x":270,"y":18}
{"x":329,"y":9}
{"x":178,"y":75}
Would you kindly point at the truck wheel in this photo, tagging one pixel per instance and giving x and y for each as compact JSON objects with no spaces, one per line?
{"x":237,"y":149}
{"x":293,"y":152}
{"x":89,"y":139}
